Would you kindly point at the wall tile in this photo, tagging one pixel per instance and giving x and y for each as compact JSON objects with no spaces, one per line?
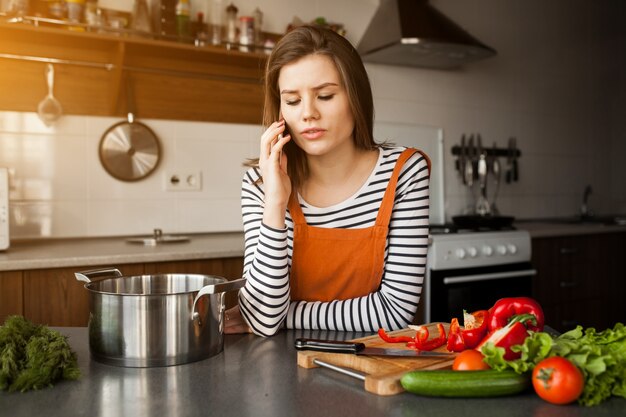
{"x":131,"y":217}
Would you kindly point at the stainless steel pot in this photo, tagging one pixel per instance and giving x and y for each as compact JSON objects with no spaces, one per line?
{"x":155,"y":320}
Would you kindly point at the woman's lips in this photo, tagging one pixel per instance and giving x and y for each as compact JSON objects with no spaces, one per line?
{"x":313,"y":134}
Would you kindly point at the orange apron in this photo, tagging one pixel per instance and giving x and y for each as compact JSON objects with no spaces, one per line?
{"x":338,"y":264}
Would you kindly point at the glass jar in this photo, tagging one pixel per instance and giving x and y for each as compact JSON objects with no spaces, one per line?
{"x":75,"y":10}
{"x":231,"y":23}
{"x":216,"y":22}
{"x":141,"y":16}
{"x":246,"y":33}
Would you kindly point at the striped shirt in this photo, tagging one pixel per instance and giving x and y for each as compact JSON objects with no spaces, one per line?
{"x":264,"y":301}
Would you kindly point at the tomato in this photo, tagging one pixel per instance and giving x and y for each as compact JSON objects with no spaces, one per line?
{"x":469,"y":360}
{"x":557,"y":380}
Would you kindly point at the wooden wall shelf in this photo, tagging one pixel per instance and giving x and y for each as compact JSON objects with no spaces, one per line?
{"x":170,"y":80}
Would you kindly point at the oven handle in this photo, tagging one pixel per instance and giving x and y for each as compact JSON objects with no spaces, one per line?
{"x":486,"y":277}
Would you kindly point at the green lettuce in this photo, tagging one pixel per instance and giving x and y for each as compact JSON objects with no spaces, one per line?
{"x":601,"y":356}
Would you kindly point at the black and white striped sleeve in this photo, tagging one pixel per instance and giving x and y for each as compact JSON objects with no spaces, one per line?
{"x":264,"y":300}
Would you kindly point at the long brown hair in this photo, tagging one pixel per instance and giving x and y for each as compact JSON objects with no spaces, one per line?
{"x":308,"y":40}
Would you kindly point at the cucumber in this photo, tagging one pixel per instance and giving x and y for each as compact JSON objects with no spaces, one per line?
{"x":448,"y":383}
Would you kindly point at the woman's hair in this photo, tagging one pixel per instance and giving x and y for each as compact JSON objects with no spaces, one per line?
{"x":313,"y":40}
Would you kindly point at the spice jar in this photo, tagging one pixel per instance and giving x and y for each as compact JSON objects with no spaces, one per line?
{"x":246,"y":32}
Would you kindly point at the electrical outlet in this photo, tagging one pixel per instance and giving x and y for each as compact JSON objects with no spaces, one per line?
{"x":183,"y":181}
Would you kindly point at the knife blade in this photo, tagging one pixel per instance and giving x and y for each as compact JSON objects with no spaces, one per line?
{"x":357,"y":348}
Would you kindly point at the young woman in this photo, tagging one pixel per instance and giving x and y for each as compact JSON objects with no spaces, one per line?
{"x":336,"y":225}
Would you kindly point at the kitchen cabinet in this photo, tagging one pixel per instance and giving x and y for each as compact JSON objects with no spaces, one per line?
{"x":11,"y":301}
{"x":169,"y":80}
{"x":581,"y":279}
{"x":54,"y":296}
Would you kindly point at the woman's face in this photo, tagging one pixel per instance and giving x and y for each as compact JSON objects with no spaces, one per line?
{"x":315,"y":105}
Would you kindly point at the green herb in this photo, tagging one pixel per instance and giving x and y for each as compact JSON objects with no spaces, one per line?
{"x":601,"y":356}
{"x":33,"y":356}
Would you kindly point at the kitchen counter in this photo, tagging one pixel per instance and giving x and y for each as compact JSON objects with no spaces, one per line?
{"x":547,"y":228}
{"x":254,"y":377}
{"x":59,"y":253}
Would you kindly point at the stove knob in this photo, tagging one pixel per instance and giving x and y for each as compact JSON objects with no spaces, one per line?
{"x":501,"y":249}
{"x":487,"y":250}
{"x":460,"y":253}
{"x":512,"y":249}
{"x":472,"y":251}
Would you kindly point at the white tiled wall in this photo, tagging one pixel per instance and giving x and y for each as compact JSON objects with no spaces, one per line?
{"x":59,"y":188}
{"x":557,"y":85}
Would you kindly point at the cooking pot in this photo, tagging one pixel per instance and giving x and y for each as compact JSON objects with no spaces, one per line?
{"x":155,"y":320}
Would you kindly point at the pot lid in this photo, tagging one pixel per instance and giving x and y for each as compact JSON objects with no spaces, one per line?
{"x":129,"y":150}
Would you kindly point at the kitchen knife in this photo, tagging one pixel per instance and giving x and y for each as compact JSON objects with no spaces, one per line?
{"x":336,"y":346}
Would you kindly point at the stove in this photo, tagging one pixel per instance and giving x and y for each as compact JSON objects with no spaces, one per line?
{"x":466,"y":248}
{"x":470,"y":269}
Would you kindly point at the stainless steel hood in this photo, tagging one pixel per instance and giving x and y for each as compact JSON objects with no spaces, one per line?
{"x":414,"y":33}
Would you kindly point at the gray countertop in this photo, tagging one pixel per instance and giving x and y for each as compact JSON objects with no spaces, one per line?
{"x":254,"y":377}
{"x":60,"y":253}
{"x":546,"y":228}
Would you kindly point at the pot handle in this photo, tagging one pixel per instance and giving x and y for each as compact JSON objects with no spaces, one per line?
{"x":214,"y":289}
{"x":88,"y":276}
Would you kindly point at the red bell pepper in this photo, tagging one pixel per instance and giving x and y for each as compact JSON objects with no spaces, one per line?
{"x":394,"y":339}
{"x":474,"y":330}
{"x":514,"y":333}
{"x":421,"y":341}
{"x":505,"y":309}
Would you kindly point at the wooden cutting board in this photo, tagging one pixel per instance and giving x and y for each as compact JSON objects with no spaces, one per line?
{"x":383,"y":373}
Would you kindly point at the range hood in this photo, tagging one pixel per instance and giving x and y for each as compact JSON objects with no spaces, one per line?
{"x":414,"y":33}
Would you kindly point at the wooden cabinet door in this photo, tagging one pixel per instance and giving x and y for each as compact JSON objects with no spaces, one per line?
{"x":11,"y":295}
{"x":580,"y":279}
{"x":54,"y":297}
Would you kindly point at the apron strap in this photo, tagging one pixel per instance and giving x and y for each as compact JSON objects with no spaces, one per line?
{"x":386,"y":207}
{"x":384,"y":213}
{"x":294,"y":209}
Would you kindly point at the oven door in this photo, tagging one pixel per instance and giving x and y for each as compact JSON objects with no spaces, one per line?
{"x":449,"y":292}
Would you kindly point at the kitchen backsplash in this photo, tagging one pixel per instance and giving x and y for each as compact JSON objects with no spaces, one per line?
{"x":59,"y":188}
{"x":557,"y":84}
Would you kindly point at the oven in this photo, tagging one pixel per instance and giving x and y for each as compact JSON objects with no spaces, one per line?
{"x":472,"y":270}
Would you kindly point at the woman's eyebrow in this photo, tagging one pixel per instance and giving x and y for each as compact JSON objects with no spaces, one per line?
{"x":318,"y":87}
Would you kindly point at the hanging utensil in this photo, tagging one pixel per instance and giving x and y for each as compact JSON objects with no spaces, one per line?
{"x":515,"y":176}
{"x":49,"y":109}
{"x":509,"y":162}
{"x":461,"y":159}
{"x":482,"y":204}
{"x":496,"y":170}
{"x":469,"y":168}
{"x":129,"y":150}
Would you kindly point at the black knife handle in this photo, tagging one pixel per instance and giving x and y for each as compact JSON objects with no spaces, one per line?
{"x":336,"y":346}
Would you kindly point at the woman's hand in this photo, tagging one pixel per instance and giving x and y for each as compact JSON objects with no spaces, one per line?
{"x":234,"y":322}
{"x":276,"y":182}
